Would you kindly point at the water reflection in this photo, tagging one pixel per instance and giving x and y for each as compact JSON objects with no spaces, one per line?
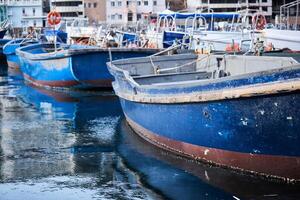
{"x":61,"y":144}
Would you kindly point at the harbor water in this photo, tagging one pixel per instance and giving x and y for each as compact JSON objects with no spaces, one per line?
{"x":77,"y":145}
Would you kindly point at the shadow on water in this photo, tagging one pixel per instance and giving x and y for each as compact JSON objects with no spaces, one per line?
{"x":77,"y":145}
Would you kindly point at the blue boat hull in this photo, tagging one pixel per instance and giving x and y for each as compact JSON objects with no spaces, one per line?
{"x":82,"y":67}
{"x":91,"y":70}
{"x":252,"y":134}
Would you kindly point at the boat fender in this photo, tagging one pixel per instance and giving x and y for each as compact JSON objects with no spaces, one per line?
{"x":259,"y":21}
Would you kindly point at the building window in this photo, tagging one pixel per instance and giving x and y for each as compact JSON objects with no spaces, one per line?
{"x":139,"y":3}
{"x":34,"y":23}
{"x":84,"y":5}
{"x":95,"y":5}
{"x":145,"y":3}
{"x":119,"y":3}
{"x":130,"y":17}
{"x":138,"y":16}
{"x":120,"y":16}
{"x":23,"y":11}
{"x":89,"y":5}
{"x":112,"y":3}
{"x":33,"y":11}
{"x":155,"y":3}
{"x":113,"y":17}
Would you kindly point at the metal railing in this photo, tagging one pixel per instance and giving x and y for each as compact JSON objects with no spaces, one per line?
{"x":285,"y":11}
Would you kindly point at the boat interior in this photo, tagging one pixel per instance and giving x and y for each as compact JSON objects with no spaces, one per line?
{"x":185,"y":68}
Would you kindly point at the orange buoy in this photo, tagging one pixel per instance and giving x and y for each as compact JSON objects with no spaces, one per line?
{"x":259,"y":21}
{"x":53,"y":18}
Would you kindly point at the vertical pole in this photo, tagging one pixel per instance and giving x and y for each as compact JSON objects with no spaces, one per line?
{"x":297,"y":15}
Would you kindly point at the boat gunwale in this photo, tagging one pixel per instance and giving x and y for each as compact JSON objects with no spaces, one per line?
{"x":70,"y":52}
{"x":15,"y":41}
{"x":249,"y":90}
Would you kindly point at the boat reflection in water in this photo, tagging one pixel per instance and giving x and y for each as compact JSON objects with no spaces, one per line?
{"x":74,"y":145}
{"x":178,"y":177}
{"x":55,"y":144}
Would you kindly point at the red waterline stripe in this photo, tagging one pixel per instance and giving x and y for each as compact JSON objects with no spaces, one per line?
{"x":284,"y":167}
{"x":51,"y":83}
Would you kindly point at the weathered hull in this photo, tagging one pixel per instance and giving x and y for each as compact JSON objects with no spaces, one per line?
{"x":257,"y":135}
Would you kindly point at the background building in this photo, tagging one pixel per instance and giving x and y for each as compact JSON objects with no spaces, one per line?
{"x":95,"y":10}
{"x":23,"y":13}
{"x":69,"y":9}
{"x":265,"y":6}
{"x":130,"y":11}
{"x":290,"y":14}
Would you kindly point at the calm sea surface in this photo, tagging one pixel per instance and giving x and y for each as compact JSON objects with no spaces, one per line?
{"x":77,"y":145}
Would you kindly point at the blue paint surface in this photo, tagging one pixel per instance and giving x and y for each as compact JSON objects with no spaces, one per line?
{"x":91,"y":67}
{"x":265,"y":125}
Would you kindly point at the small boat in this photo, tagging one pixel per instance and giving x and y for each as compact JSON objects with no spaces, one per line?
{"x":9,"y":49}
{"x":72,"y":66}
{"x":238,"y":112}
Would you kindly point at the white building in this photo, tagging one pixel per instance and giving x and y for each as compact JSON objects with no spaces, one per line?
{"x":265,"y":6}
{"x":69,"y":9}
{"x":130,"y":11}
{"x":24,"y":13}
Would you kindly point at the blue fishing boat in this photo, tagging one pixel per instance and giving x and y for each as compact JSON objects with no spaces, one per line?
{"x":9,"y":49}
{"x":72,"y":66}
{"x":238,"y":112}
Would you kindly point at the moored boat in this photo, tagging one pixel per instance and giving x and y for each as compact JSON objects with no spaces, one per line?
{"x":238,"y":112}
{"x":9,"y":49}
{"x":72,"y":66}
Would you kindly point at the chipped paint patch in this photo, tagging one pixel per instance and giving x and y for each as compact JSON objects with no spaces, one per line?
{"x":56,"y":64}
